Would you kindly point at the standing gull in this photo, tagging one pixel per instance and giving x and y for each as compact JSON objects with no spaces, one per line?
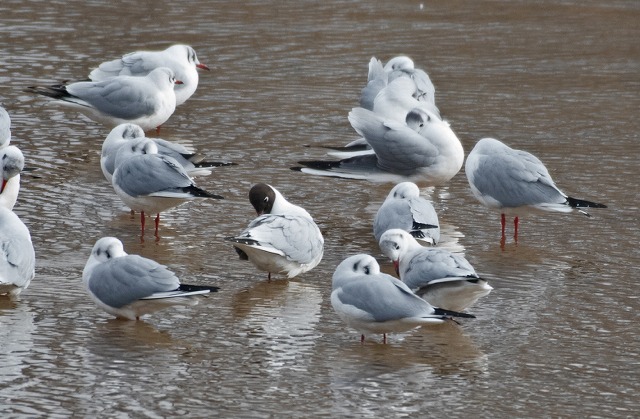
{"x":283,"y":239}
{"x":442,"y":278}
{"x":148,"y":182}
{"x":193,"y":163}
{"x":373,"y":302}
{"x":515,"y":181}
{"x":182,"y":59}
{"x":130,"y":286}
{"x":147,"y":101}
{"x":404,"y":208}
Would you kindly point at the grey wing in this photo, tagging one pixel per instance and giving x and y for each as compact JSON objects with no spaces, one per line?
{"x":18,"y":253}
{"x":147,"y":174}
{"x":121,"y":281}
{"x":423,"y":211}
{"x":120,"y":97}
{"x":516,"y":178}
{"x":384,"y":299}
{"x":403,"y":150}
{"x":298,"y":238}
{"x":394,"y":213}
{"x":177,"y":151}
{"x":425,"y":90}
{"x":376,"y":81}
{"x":432,"y":264}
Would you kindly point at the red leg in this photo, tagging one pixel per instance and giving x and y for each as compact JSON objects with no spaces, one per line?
{"x":384,"y":338}
{"x":503,"y":222}
{"x":157,"y":223}
{"x":361,"y":338}
{"x":515,"y":224}
{"x":142,"y":221}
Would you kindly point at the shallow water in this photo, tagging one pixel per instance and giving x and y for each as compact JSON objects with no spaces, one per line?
{"x":556,"y":337}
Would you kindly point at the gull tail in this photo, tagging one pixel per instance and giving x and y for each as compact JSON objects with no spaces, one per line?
{"x":581,"y":203}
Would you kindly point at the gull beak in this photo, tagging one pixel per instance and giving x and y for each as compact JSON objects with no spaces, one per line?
{"x":179,"y":82}
{"x":396,"y":265}
{"x":202,"y":66}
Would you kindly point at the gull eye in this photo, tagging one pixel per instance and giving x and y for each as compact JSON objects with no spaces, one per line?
{"x":395,"y":246}
{"x":366,"y":270}
{"x":266,"y":199}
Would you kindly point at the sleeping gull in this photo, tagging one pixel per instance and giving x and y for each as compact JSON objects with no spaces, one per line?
{"x":17,"y":257}
{"x":130,"y":286}
{"x":442,"y":278}
{"x":182,"y":59}
{"x":193,"y":163}
{"x":373,"y":302}
{"x":283,"y":239}
{"x":148,"y":101}
{"x":404,"y":208}
{"x":11,"y":164}
{"x":148,"y":182}
{"x":423,"y":149}
{"x":515,"y":181}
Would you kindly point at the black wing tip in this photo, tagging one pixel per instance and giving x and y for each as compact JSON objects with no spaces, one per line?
{"x":206,"y":164}
{"x":192,"y":288}
{"x":451,"y":313}
{"x":582,"y":203}
{"x":319,"y":164}
{"x":201,"y":193}
{"x":296,"y":168}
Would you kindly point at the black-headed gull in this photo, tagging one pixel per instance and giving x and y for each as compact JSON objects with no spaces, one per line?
{"x":11,"y":164}
{"x":17,"y":257}
{"x":446,"y":280}
{"x":404,"y":208}
{"x":423,"y":149}
{"x":283,"y":239}
{"x":379,"y":77}
{"x":514,"y":181}
{"x":147,"y":101}
{"x":193,"y":163}
{"x":5,"y":127}
{"x":151,"y":183}
{"x":182,"y":59}
{"x":373,"y":302}
{"x":130,"y":286}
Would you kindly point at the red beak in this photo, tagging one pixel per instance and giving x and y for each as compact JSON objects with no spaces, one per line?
{"x":203,"y":67}
{"x":396,"y":265}
{"x":4,"y":183}
{"x":179,"y":82}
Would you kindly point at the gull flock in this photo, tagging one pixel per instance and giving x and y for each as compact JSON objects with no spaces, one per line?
{"x":403,"y":140}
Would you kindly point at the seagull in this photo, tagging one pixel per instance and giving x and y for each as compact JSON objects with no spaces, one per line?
{"x":515,"y":181}
{"x":423,"y":149}
{"x":148,"y":182}
{"x":373,"y":302}
{"x":5,"y":127}
{"x":182,"y":59}
{"x":17,"y":257}
{"x":405,"y":209}
{"x":11,"y":164}
{"x":130,"y":286}
{"x":379,"y":77}
{"x":442,"y":278}
{"x":148,"y":101}
{"x":283,"y":239}
{"x":193,"y":163}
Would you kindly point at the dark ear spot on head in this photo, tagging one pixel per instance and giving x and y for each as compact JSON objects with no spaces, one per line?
{"x":366,"y":270}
